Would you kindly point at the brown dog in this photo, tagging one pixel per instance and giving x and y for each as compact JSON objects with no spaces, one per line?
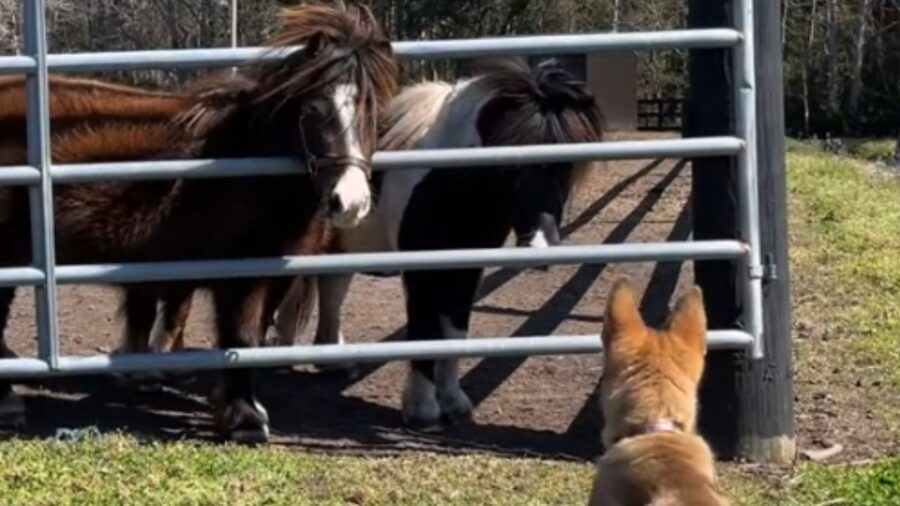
{"x":649,"y":395}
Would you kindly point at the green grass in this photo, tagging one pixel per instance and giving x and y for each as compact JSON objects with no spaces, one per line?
{"x":117,"y":470}
{"x":853,"y":218}
{"x":846,"y":262}
{"x":873,"y":150}
{"x":870,"y":485}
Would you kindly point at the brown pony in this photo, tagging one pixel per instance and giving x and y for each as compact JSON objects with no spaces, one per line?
{"x":318,"y":104}
{"x":506,"y":103}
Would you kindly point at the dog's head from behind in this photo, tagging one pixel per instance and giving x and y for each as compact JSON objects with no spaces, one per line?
{"x":651,"y":376}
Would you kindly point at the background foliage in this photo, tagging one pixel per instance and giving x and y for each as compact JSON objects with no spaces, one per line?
{"x":842,"y":72}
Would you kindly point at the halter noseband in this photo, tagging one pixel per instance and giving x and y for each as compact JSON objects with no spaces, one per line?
{"x":317,"y":163}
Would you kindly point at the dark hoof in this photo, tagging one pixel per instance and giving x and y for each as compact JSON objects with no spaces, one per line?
{"x":244,"y":423}
{"x":427,"y":425}
{"x":457,"y":417}
{"x":12,"y":411}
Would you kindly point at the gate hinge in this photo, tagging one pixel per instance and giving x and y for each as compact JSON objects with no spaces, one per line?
{"x":770,"y":268}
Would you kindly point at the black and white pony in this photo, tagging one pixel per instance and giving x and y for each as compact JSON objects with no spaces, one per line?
{"x":477,"y":207}
{"x":424,"y":209}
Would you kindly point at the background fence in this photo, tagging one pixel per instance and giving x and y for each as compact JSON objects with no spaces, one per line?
{"x":40,"y":175}
{"x":659,"y":114}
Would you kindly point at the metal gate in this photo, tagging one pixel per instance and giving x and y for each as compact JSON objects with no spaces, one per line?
{"x":39,"y":175}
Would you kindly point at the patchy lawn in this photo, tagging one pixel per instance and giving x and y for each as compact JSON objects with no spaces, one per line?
{"x":117,"y":470}
{"x":845,"y":228}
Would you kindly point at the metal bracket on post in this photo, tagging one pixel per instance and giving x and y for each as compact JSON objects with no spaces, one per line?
{"x":41,"y":195}
{"x":770,"y":269}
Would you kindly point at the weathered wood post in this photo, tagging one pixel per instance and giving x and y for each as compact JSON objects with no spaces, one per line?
{"x":746,"y":405}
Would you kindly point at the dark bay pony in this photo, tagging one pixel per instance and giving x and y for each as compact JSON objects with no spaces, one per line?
{"x":319,"y":105}
{"x":422,"y":209}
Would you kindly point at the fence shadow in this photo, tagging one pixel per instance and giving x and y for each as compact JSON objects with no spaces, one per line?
{"x":315,"y":411}
{"x":308,"y":411}
{"x":501,"y":277}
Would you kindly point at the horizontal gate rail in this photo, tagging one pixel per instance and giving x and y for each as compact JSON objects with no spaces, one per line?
{"x":19,"y":176}
{"x":419,"y":50}
{"x":277,"y":356}
{"x":411,"y":159}
{"x":380,"y":262}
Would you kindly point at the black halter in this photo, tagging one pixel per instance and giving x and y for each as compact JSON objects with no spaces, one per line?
{"x":317,"y":163}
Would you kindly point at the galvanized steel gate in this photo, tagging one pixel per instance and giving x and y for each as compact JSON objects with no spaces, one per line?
{"x":39,"y":175}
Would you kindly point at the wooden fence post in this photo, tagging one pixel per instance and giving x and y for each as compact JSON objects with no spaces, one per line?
{"x":746,"y":405}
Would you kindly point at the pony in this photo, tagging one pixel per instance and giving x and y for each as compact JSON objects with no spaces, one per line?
{"x":507,"y":103}
{"x":319,"y":104}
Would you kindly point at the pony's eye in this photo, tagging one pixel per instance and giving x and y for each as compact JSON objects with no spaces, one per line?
{"x":318,"y":108}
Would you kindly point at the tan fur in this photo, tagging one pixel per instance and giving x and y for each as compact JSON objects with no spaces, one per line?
{"x":651,"y":377}
{"x":80,"y":98}
{"x":411,"y":114}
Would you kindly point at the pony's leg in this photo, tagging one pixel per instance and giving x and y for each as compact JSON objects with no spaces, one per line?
{"x":242,"y":311}
{"x":332,"y":293}
{"x":438,"y":305}
{"x":12,"y":409}
{"x":172,"y":311}
{"x":139,"y":311}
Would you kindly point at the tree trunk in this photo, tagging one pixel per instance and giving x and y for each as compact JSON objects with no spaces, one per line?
{"x":810,"y":42}
{"x":617,"y":19}
{"x":832,"y":103}
{"x":859,"y":58}
{"x":897,"y":150}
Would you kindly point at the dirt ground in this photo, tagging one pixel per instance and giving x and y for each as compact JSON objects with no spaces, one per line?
{"x":544,"y":405}
{"x":541,"y":406}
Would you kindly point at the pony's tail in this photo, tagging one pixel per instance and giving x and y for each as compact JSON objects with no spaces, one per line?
{"x":293,"y":314}
{"x":411,"y":115}
{"x":308,"y":304}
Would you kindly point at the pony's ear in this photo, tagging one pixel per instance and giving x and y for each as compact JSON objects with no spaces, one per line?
{"x":688,"y":319}
{"x":622,"y":319}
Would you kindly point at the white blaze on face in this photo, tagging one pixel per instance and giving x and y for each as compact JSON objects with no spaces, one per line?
{"x":352,"y":187}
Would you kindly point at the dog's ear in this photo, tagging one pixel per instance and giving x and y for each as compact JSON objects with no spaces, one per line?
{"x":622,"y":320}
{"x":688,"y":320}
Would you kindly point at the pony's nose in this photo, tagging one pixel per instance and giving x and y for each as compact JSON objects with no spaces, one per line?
{"x":335,"y":205}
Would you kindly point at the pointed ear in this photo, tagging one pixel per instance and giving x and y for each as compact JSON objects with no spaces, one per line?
{"x":622,"y":317}
{"x":688,"y":320}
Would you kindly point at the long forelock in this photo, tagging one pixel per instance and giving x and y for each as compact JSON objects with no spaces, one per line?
{"x":352,"y":49}
{"x":350,"y":41}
